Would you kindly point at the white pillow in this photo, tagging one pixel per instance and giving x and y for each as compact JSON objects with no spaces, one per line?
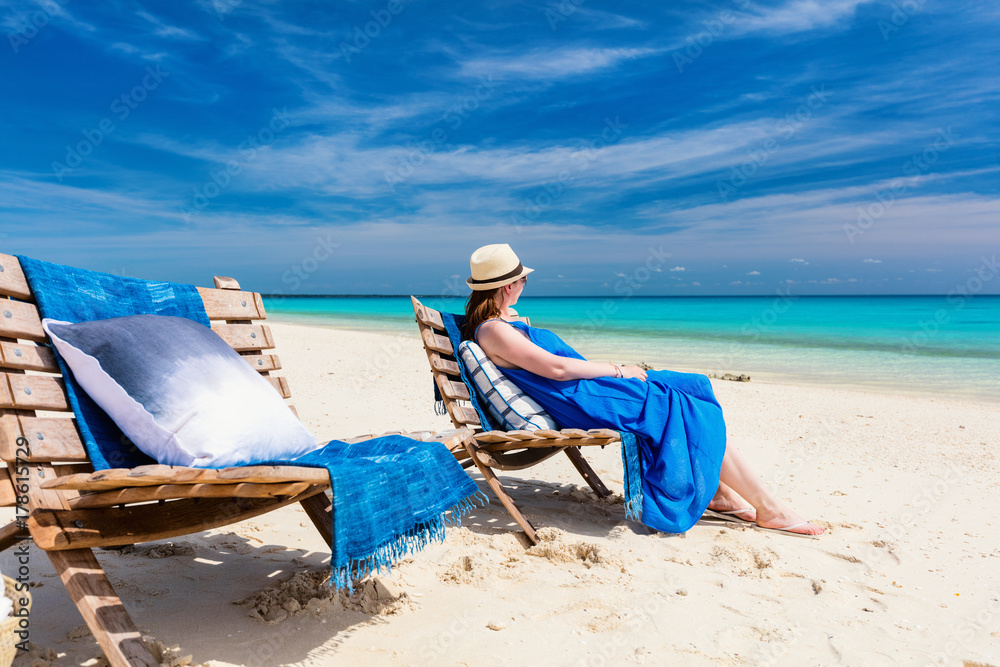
{"x":179,"y":392}
{"x":507,"y":404}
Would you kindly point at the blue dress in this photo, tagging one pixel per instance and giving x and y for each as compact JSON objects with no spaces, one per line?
{"x":675,"y":416}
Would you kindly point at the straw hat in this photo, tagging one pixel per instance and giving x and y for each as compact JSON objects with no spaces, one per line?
{"x":494,"y":266}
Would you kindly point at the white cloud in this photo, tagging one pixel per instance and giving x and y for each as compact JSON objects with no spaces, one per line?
{"x":678,"y":268}
{"x":753,"y":273}
{"x":548,"y":64}
{"x":797,"y":16}
{"x":873,"y":261}
{"x":798,"y":261}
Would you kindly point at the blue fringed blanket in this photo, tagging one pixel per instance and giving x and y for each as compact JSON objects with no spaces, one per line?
{"x":390,"y":494}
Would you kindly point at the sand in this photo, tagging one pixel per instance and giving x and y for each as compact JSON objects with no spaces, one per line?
{"x":908,"y":573}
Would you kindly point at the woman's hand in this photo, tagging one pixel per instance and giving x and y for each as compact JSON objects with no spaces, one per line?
{"x":633,"y":372}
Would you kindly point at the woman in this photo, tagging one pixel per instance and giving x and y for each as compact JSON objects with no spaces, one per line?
{"x":686,"y":465}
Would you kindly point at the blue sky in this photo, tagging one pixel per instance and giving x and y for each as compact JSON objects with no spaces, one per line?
{"x":695,"y":148}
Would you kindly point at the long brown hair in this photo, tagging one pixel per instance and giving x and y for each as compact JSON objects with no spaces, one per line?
{"x":481,"y":306}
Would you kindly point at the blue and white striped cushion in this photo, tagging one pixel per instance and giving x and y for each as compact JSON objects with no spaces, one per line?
{"x":507,"y":404}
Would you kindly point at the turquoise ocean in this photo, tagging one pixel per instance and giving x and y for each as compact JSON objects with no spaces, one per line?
{"x":926,"y":345}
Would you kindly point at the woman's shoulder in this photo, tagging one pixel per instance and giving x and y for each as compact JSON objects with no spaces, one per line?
{"x":499,"y":326}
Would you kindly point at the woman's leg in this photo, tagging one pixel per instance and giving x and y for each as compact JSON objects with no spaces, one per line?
{"x":727,"y":500}
{"x":736,"y":475}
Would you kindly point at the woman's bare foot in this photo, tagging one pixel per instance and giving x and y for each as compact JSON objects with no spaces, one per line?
{"x":783,"y":518}
{"x":728,"y":501}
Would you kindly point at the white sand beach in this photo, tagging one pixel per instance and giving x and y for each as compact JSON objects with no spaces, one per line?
{"x":907,"y":573}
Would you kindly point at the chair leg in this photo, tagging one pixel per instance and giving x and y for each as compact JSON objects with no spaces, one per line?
{"x":319,"y":509}
{"x":101,"y":608}
{"x":11,"y":534}
{"x":587,"y":472}
{"x":501,"y":493}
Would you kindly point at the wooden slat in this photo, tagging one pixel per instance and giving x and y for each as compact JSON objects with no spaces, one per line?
{"x":604,"y":433}
{"x":451,"y":439}
{"x":433,"y":341}
{"x":444,"y":365}
{"x":542,"y":443}
{"x":263,"y":363}
{"x":574,"y":433}
{"x":152,"y":475}
{"x":280,"y":384}
{"x":449,"y":389}
{"x":244,"y":337}
{"x":20,"y":320}
{"x":74,"y":529}
{"x":461,"y":414}
{"x":272,"y":474}
{"x":12,"y":280}
{"x":225,"y":282}
{"x":427,"y":316}
{"x":19,"y":391}
{"x":144,"y":494}
{"x":494,"y":436}
{"x":27,"y":357}
{"x":549,"y":433}
{"x":228,"y":304}
{"x":49,"y":439}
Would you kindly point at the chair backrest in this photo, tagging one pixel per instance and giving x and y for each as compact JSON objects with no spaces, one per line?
{"x":444,"y":366}
{"x":38,"y":435}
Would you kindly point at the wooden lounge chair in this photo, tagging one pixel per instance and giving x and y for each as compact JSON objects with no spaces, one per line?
{"x":67,"y":509}
{"x":500,"y":450}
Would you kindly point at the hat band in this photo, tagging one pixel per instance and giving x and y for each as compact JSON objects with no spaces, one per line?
{"x":510,"y":274}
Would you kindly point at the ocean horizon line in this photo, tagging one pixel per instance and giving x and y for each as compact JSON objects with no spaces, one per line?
{"x":279,"y":295}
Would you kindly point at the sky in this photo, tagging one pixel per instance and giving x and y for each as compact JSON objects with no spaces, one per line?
{"x":681,"y":148}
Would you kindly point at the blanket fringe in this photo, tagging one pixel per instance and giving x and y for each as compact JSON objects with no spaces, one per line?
{"x":382,"y":559}
{"x":632,"y":468}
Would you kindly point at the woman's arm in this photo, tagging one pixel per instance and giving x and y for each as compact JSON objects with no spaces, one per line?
{"x":508,"y":348}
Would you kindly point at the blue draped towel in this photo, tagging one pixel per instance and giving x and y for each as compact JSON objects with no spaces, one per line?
{"x":391,"y":495}
{"x":630,"y":445}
